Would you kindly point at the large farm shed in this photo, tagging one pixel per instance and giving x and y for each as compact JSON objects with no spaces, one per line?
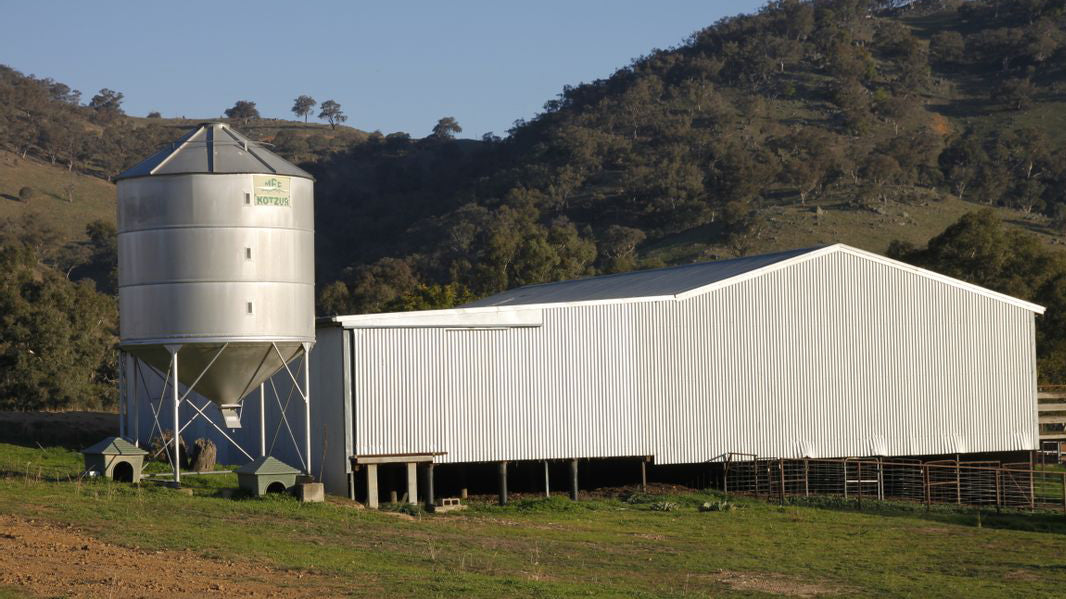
{"x":823,"y":352}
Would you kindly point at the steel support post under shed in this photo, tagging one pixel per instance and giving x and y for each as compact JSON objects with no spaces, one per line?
{"x":573,"y":480}
{"x":547,"y":481}
{"x":431,"y":501}
{"x":503,"y":482}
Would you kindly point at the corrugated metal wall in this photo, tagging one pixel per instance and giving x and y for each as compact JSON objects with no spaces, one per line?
{"x":835,"y":356}
{"x":842,"y":356}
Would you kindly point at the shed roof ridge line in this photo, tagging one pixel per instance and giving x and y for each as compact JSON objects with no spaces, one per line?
{"x":665,"y":268}
{"x":942,"y":278}
{"x":866,"y":255}
{"x":812,"y":254}
{"x":758,"y":272}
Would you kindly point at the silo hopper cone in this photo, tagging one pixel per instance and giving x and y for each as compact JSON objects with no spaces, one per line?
{"x":234,"y":373}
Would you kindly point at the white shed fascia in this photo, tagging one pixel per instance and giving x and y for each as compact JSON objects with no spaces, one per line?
{"x":456,"y":318}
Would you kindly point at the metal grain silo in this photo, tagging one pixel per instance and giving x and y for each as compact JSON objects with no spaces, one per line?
{"x":216,"y":266}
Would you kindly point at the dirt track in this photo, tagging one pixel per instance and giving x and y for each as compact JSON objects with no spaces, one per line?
{"x":48,"y":560}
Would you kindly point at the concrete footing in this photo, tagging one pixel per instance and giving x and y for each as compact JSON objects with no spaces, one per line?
{"x":372,"y":486}
{"x":310,"y":492}
{"x":412,"y":483}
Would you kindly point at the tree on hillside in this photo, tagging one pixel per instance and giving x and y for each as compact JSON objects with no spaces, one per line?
{"x":243,"y":110}
{"x":302,"y":106}
{"x":960,"y":161}
{"x":154,"y":115}
{"x":618,"y":248}
{"x":1015,"y":93}
{"x":947,"y":47}
{"x":446,"y":128}
{"x":102,"y":261}
{"x":880,"y":169}
{"x":56,"y":338}
{"x":107,"y":104}
{"x":331,"y":111}
{"x":62,"y":92}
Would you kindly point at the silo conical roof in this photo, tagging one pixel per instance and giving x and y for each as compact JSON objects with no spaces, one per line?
{"x":213,"y":148}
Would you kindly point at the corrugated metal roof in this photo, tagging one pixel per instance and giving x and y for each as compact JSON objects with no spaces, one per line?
{"x":643,"y":283}
{"x":213,"y":148}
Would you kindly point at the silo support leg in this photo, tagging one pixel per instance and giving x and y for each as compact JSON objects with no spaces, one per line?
{"x":307,"y":405}
{"x":174,"y":349}
{"x":123,"y":395}
{"x":136,"y":364}
{"x":262,"y":420}
{"x":305,"y":394}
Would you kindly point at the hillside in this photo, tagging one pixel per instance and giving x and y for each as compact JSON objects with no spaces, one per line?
{"x":877,"y":124}
{"x":809,"y":122}
{"x":63,"y":201}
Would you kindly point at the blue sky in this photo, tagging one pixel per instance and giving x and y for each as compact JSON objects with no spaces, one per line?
{"x":393,"y":66}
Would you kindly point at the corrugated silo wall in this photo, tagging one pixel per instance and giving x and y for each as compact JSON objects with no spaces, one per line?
{"x":835,"y":356}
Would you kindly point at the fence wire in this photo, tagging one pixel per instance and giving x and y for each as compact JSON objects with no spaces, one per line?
{"x":940,"y":481}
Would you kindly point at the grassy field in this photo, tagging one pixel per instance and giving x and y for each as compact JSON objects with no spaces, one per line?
{"x":833,"y":221}
{"x":640,"y":546}
{"x":94,"y":199}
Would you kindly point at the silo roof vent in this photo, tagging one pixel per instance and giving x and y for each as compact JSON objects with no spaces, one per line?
{"x":213,"y":148}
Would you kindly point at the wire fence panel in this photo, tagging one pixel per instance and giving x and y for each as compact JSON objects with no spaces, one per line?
{"x":984,"y":483}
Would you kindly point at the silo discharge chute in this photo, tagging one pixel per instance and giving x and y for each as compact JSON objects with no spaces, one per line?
{"x":216,"y":268}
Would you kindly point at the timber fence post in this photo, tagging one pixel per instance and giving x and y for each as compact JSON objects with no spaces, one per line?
{"x":725,"y":476}
{"x":1032,"y":480}
{"x":1064,"y":492}
{"x":999,"y":490}
{"x":781,"y":466}
{"x":806,"y":478}
{"x":860,"y":484}
{"x":845,"y":479}
{"x":958,"y":481}
{"x":925,"y":485}
{"x":755,"y":469}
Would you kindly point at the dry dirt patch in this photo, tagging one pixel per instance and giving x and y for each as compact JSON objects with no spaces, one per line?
{"x":776,"y":584}
{"x":47,"y":559}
